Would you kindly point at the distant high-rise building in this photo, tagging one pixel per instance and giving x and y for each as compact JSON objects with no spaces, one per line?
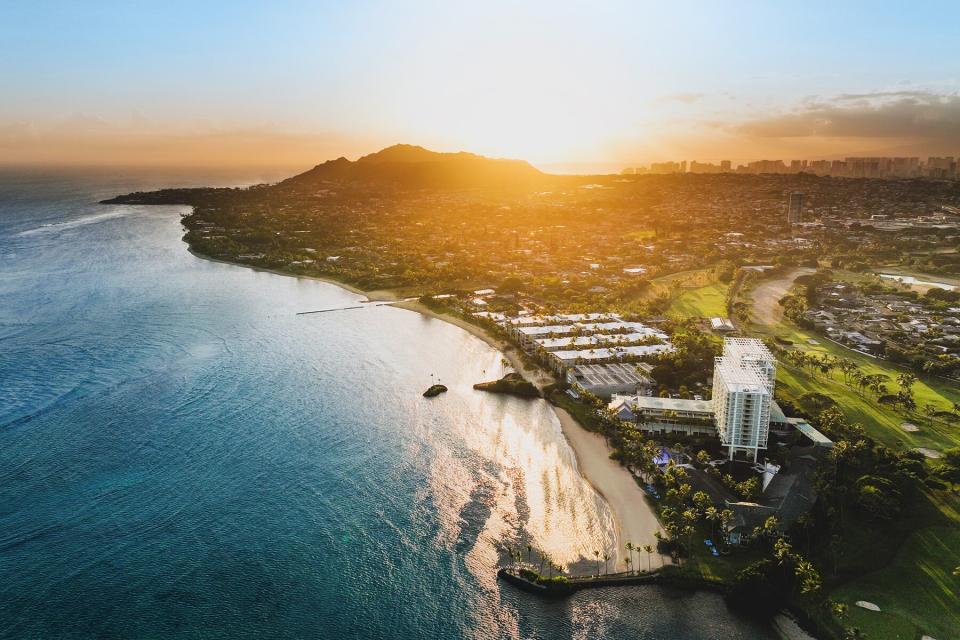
{"x":941,"y":167}
{"x":744,"y":378}
{"x":703,"y":167}
{"x":795,"y":208}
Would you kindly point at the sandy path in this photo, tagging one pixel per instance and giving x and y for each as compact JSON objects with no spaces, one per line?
{"x":766,"y":296}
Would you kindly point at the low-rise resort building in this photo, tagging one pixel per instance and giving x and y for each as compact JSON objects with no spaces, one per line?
{"x":607,"y":380}
{"x":600,"y":352}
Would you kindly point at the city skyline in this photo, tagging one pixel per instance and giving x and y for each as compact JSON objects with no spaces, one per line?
{"x":570,"y":88}
{"x":850,"y":166}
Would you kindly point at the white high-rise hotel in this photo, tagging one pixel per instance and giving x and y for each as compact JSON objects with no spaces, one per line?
{"x":743,"y":381}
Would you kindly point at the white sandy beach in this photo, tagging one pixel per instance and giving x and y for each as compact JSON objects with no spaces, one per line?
{"x":633,"y":516}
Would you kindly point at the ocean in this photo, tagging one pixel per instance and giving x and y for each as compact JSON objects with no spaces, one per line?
{"x":182,"y":456}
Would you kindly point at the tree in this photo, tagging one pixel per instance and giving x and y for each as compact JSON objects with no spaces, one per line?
{"x":749,"y":489}
{"x":606,"y":563}
{"x":596,"y":554}
{"x":847,"y":367}
{"x":630,"y":552}
{"x":769,"y":529}
{"x":727,"y":518}
{"x":701,"y":501}
{"x":649,"y":549}
{"x":906,"y":380}
{"x":712,"y":515}
{"x":839,"y":610}
{"x":809,"y":577}
{"x":905,"y":397}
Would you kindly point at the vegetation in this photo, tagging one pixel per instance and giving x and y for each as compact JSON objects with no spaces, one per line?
{"x":856,"y":383}
{"x":704,"y":302}
{"x":885,"y":524}
{"x":434,"y":390}
{"x":512,"y":384}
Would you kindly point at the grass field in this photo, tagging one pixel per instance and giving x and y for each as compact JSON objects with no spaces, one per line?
{"x":881,"y":422}
{"x":912,"y":581}
{"x":704,"y":302}
{"x":917,"y":593}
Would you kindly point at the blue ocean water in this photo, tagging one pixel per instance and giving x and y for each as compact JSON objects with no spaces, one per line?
{"x":181,"y":456}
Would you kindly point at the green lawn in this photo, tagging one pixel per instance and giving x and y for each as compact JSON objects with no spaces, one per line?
{"x":912,"y":581}
{"x":881,"y":422}
{"x":917,"y":593}
{"x":704,"y":302}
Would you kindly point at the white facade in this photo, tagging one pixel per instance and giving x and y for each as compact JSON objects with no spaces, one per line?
{"x":743,"y":384}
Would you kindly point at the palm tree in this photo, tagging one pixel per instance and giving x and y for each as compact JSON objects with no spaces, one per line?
{"x":712,"y":514}
{"x":649,"y":549}
{"x":839,"y":610}
{"x":847,"y":367}
{"x":529,"y":549}
{"x":596,"y":554}
{"x":630,"y":551}
{"x":906,"y":380}
{"x":606,"y":563}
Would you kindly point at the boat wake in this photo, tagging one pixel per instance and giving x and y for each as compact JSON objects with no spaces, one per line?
{"x":78,"y":222}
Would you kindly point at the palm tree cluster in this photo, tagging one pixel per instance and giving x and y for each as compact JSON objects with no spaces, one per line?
{"x":683,"y":509}
{"x":853,"y":377}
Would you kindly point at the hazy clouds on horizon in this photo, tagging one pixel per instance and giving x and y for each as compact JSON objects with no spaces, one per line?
{"x":560,"y":84}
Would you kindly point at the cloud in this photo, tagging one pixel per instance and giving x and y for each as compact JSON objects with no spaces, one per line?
{"x":913,"y":115}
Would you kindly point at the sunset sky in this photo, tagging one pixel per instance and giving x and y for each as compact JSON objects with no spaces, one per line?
{"x":565,"y":85}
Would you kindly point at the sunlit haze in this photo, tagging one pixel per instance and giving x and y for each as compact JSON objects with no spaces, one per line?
{"x":567,"y":86}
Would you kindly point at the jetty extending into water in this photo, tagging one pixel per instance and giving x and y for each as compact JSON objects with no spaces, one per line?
{"x":560,"y":586}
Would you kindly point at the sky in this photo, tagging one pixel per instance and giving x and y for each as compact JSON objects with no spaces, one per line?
{"x":566,"y":85}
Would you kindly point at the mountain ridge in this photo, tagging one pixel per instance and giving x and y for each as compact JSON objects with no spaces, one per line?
{"x":416,"y":166}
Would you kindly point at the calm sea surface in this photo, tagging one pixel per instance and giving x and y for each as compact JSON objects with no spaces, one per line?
{"x":183,"y":457}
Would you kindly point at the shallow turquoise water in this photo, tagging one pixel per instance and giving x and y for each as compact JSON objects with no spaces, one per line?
{"x":181,"y":456}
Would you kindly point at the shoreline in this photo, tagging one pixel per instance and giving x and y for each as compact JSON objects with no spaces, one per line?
{"x":633,"y":519}
{"x":382,"y":295}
